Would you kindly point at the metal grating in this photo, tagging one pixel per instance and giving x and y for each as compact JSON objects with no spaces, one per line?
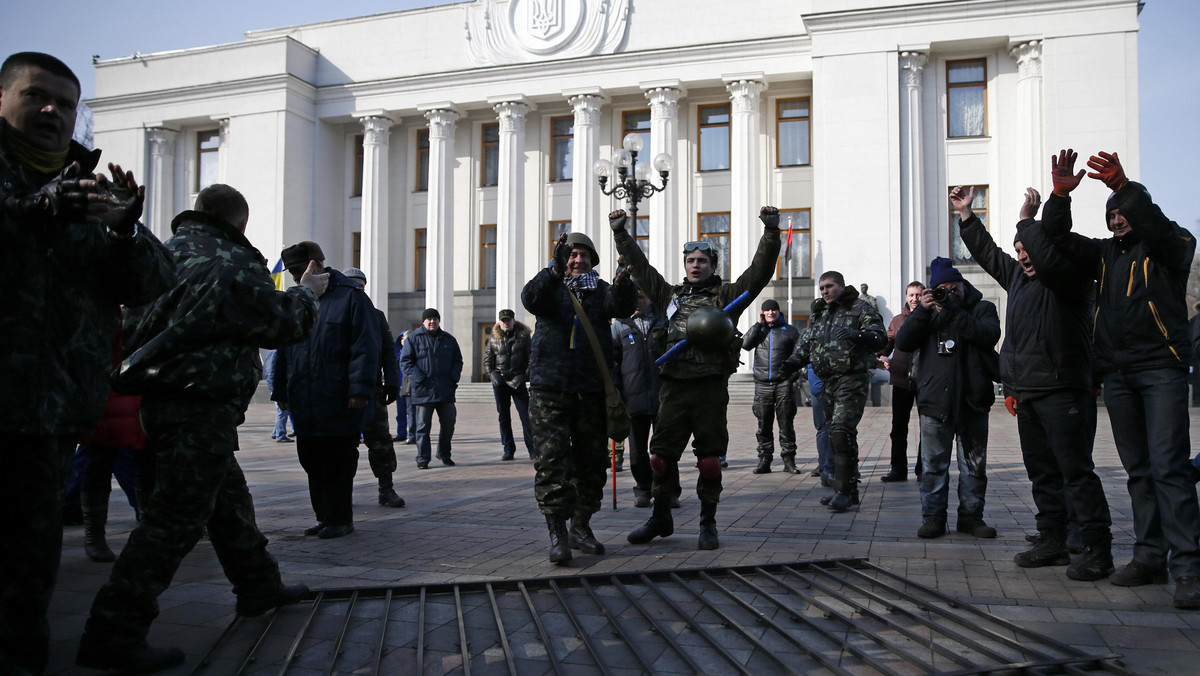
{"x":843,"y":616}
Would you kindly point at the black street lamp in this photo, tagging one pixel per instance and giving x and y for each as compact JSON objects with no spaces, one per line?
{"x":632,"y":182}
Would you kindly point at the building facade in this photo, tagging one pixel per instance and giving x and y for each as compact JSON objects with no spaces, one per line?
{"x":442,"y":150}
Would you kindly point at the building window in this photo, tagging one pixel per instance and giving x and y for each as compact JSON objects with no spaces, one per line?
{"x":487,"y":256}
{"x":966,"y":93}
{"x":489,"y":155}
{"x":358,"y":166}
{"x":356,"y":249}
{"x":562,"y":147}
{"x":714,"y":138}
{"x":419,"y":259}
{"x":641,"y":232}
{"x":958,"y":250}
{"x":792,"y":132}
{"x":714,"y":228}
{"x":422,"y":160}
{"x":208,"y":147}
{"x":557,"y":228}
{"x":637,"y":122}
{"x":800,"y":260}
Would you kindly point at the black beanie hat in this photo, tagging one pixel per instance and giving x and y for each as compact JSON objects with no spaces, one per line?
{"x":431,"y":313}
{"x":770,"y":304}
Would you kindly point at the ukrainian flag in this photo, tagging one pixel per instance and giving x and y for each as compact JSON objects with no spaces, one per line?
{"x":277,"y":275}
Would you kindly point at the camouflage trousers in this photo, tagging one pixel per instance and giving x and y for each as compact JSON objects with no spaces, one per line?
{"x":843,"y":399}
{"x":197,"y":482}
{"x":31,"y":488}
{"x":570,"y":435}
{"x":381,"y":452}
{"x":696,"y":409}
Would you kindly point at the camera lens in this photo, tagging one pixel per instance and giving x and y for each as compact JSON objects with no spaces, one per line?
{"x":941,"y":294}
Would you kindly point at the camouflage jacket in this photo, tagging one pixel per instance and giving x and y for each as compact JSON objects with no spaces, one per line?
{"x":680,"y":301}
{"x":59,"y":318}
{"x":200,"y":340}
{"x":832,"y":357}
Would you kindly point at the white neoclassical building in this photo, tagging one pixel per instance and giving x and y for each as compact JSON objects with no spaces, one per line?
{"x":442,"y":150}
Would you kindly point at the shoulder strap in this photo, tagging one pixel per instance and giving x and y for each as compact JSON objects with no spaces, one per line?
{"x":605,"y":377}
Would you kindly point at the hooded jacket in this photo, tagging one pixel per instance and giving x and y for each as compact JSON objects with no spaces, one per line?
{"x":946,"y":383}
{"x":1140,"y":321}
{"x":506,"y":356}
{"x":772,"y":345}
{"x":830,"y":356}
{"x":633,"y":349}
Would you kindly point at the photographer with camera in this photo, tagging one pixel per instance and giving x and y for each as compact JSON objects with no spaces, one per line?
{"x":952,"y":334}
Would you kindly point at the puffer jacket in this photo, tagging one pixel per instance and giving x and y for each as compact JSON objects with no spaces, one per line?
{"x":948,"y":382}
{"x":506,"y":356}
{"x":64,"y":304}
{"x":772,"y":345}
{"x":433,"y":363}
{"x":1046,"y":344}
{"x":633,"y":349}
{"x":684,"y":299}
{"x":561,"y":356}
{"x":315,"y":378}
{"x":832,"y":357}
{"x":1140,"y":321}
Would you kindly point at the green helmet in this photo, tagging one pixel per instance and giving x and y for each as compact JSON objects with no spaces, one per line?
{"x":710,"y":329}
{"x":575,"y":239}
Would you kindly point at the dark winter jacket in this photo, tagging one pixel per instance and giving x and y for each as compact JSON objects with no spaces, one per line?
{"x":900,"y":365}
{"x":200,"y":340}
{"x":831,"y":356}
{"x":68,"y":281}
{"x":772,"y":345}
{"x":633,"y":349}
{"x":1046,"y":342}
{"x":389,"y":382}
{"x":1140,"y":322}
{"x":340,"y":359}
{"x":561,"y":356}
{"x":434,"y":364}
{"x":506,"y":356}
{"x":680,"y":301}
{"x":948,"y":382}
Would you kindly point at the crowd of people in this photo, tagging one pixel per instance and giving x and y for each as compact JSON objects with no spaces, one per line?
{"x":125,"y":346}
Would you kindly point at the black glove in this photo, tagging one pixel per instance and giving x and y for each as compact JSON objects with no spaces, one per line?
{"x":770,"y":217}
{"x":61,"y":197}
{"x":617,"y":220}
{"x":843,"y":333}
{"x":562,"y":253}
{"x":390,"y":395}
{"x":124,"y":208}
{"x":788,"y":369}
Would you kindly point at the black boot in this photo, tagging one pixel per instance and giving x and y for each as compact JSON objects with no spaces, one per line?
{"x":581,"y":537}
{"x":659,"y":525}
{"x":560,"y":550}
{"x":708,"y":526}
{"x":1049,"y":550}
{"x":789,"y":465}
{"x":388,"y":497}
{"x":844,"y":499}
{"x":95,"y":515}
{"x":1096,"y":561}
{"x":764,"y":466}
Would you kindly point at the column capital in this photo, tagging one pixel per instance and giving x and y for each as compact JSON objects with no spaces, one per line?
{"x":664,"y":101}
{"x":1028,"y":56}
{"x":587,"y":108}
{"x":161,"y":140}
{"x":376,"y":129}
{"x":511,"y":115}
{"x":912,"y":66}
{"x":745,"y":94}
{"x":441,"y":122}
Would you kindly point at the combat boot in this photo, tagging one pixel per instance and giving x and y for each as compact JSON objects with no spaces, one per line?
{"x":1049,"y":550}
{"x":843,"y":500}
{"x":789,"y":465}
{"x":388,"y":498}
{"x":560,"y":549}
{"x":95,"y":515}
{"x":581,"y":537}
{"x":660,"y":524}
{"x":1096,"y":561}
{"x":708,"y":526}
{"x":764,"y":466}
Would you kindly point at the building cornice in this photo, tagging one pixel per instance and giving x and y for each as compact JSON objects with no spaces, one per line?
{"x":942,"y":11}
{"x":268,"y":84}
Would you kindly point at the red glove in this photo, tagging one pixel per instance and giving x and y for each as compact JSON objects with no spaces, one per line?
{"x":1062,"y":172}
{"x":1108,"y":170}
{"x":1011,"y":404}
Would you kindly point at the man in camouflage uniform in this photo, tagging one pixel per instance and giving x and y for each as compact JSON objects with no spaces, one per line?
{"x":694,"y":399}
{"x":566,"y":403}
{"x":381,"y":451}
{"x":843,"y":335}
{"x":75,"y":253}
{"x":194,"y":359}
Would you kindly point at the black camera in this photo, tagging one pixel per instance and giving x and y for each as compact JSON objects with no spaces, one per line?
{"x":941,"y":294}
{"x":946,"y":346}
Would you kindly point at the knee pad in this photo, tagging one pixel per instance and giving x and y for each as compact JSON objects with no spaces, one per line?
{"x":659,"y":465}
{"x":710,"y":467}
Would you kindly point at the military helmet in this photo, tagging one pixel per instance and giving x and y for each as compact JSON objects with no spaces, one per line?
{"x":575,"y":239}
{"x":709,"y":328}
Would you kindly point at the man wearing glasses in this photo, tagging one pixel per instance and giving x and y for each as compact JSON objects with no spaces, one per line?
{"x":695,"y":384}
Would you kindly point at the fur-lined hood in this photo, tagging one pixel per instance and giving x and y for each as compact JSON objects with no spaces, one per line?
{"x":518,"y":329}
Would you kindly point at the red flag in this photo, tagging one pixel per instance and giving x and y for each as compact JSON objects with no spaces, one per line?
{"x":787,"y":249}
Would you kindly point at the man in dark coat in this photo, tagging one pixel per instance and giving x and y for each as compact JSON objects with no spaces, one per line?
{"x":432,"y":361}
{"x":953,"y":333}
{"x":328,"y":384}
{"x":1046,"y":368}
{"x":773,"y":340}
{"x":1142,"y":350}
{"x":899,"y":365}
{"x":506,"y":361}
{"x":639,"y":382}
{"x":194,"y":359}
{"x":73,"y":247}
{"x":695,"y":390}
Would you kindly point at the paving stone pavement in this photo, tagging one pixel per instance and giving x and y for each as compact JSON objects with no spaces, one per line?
{"x":479,"y":520}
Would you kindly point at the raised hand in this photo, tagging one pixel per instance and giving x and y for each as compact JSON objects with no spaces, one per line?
{"x":1107,"y":169}
{"x":315,"y":278}
{"x":125,"y":200}
{"x":562,"y":252}
{"x":962,"y":201}
{"x":770,"y":217}
{"x":1033,"y":200}
{"x":617,"y":220}
{"x":1062,"y":172}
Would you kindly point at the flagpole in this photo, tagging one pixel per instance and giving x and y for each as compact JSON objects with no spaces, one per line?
{"x":787,"y":261}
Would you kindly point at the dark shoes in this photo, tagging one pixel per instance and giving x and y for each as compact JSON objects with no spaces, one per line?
{"x":285,"y":440}
{"x":977,"y":529}
{"x":331,"y":532}
{"x":1138,"y":574}
{"x":1187,"y":593}
{"x":314,"y":529}
{"x":388,"y":498}
{"x":815,"y":472}
{"x":723,"y":462}
{"x":1094,"y":563}
{"x":843,"y":500}
{"x":932,"y":527}
{"x":581,"y":537}
{"x":674,"y":502}
{"x":411,"y":441}
{"x":789,"y":466}
{"x":708,"y":526}
{"x":660,"y":525}
{"x":507,"y":456}
{"x":764,"y":466}
{"x":893,"y":476}
{"x":1048,"y":550}
{"x":99,"y":552}
{"x":141,"y":659}
{"x":560,"y":549}
{"x":448,"y":462}
{"x":253,"y":606}
{"x":422,"y":465}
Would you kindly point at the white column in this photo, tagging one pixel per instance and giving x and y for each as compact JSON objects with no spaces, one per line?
{"x":1031,"y":155}
{"x":912,"y":169}
{"x":510,"y":204}
{"x":439,"y":259}
{"x":585,"y":192}
{"x":373,"y":226}
{"x":222,"y":148}
{"x":744,"y":179}
{"x":666,"y":249}
{"x":160,"y":180}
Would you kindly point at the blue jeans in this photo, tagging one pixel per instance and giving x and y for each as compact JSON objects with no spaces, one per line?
{"x":447,"y":416}
{"x":824,"y":457}
{"x":1149,"y":415}
{"x":281,"y":420}
{"x":505,"y":396}
{"x":403,"y":406}
{"x":411,"y":412}
{"x":971,"y":433}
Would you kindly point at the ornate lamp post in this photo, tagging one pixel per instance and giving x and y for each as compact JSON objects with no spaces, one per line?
{"x":632,"y":182}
